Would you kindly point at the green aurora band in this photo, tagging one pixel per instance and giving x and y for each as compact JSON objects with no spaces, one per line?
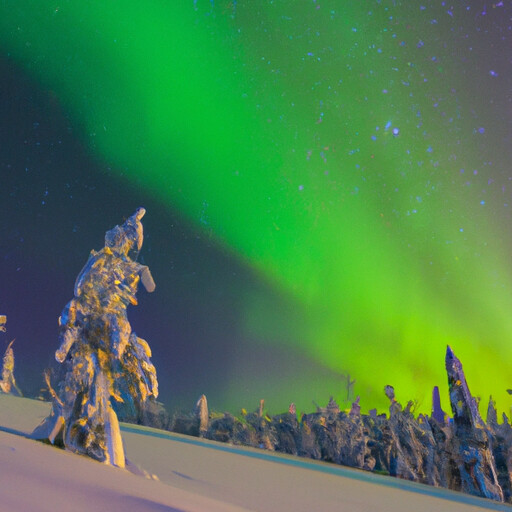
{"x":331,"y":146}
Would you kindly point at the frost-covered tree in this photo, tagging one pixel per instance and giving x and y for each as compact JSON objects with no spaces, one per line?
{"x":103,"y":359}
{"x":8,"y":382}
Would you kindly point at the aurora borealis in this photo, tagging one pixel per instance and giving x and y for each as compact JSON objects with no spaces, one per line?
{"x":352,"y":158}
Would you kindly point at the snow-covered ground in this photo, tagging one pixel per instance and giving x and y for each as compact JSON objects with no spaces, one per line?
{"x":193,"y":475}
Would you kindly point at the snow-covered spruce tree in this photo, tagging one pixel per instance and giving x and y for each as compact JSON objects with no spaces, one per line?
{"x":102,"y":358}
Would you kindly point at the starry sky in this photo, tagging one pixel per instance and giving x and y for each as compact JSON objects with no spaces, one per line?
{"x":327,"y":187}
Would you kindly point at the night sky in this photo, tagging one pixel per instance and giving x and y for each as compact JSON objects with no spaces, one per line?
{"x":327,"y":185}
